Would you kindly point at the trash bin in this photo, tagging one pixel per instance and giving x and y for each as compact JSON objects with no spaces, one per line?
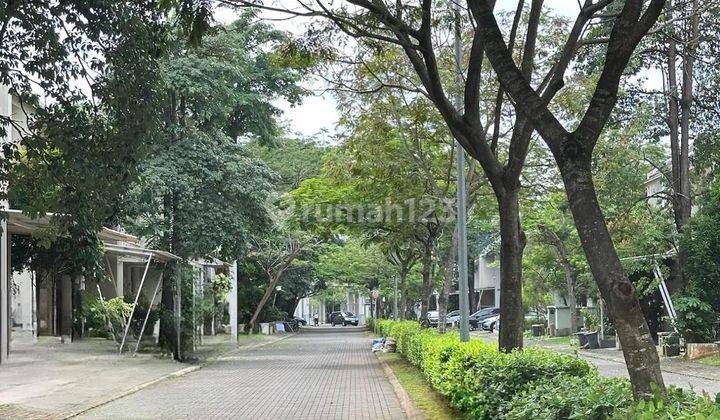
{"x":537,"y":330}
{"x":592,"y":340}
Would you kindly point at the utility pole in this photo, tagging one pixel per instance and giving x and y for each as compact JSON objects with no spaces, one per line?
{"x":461,"y":192}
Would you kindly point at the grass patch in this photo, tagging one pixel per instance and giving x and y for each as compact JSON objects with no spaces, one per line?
{"x":425,"y":398}
{"x":567,"y":340}
{"x":713,"y":360}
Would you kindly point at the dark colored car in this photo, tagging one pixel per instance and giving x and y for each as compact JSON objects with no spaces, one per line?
{"x":300,"y":321}
{"x":343,"y":317}
{"x":484,"y":314}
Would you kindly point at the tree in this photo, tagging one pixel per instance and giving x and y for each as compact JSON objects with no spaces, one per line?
{"x":573,"y":154}
{"x":199,"y":193}
{"x":78,"y":153}
{"x":412,"y":27}
{"x":275,"y":254}
{"x":702,"y":241}
{"x":418,"y":33}
{"x":684,"y":49}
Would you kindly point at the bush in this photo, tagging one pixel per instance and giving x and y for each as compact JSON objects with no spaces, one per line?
{"x":372,"y":324}
{"x":679,"y":405}
{"x":573,"y":397}
{"x":696,"y":320}
{"x":115,"y":311}
{"x":475,"y":376}
{"x":529,"y":384}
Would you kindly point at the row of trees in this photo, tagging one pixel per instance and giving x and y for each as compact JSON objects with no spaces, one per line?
{"x":132,"y":122}
{"x":162,"y":121}
{"x":514,"y":88}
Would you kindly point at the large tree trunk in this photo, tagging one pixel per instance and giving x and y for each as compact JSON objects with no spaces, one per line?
{"x":512,"y":244}
{"x":168,"y":334}
{"x":679,"y":108}
{"x":616,"y":289}
{"x":265,"y":297}
{"x":404,"y":295}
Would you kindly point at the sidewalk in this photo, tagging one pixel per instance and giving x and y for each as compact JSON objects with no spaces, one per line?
{"x":315,"y":374}
{"x":54,"y":380}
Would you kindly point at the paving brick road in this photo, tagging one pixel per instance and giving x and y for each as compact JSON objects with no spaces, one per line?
{"x":313,"y":375}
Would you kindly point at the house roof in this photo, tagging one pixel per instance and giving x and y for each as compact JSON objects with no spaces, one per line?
{"x":22,"y":224}
{"x":115,"y":242}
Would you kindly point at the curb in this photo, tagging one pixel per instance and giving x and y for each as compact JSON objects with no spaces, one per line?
{"x":406,"y":403}
{"x":176,"y":374}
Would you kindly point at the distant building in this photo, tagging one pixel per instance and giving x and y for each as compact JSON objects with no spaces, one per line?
{"x":487,"y":274}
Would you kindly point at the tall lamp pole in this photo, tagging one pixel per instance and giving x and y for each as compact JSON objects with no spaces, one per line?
{"x":461,"y":191}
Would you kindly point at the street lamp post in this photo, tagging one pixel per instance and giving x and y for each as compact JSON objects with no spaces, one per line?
{"x":461,"y":192}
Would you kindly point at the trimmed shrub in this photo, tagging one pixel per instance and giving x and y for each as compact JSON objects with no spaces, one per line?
{"x":475,"y":376}
{"x":679,"y":405}
{"x":589,"y":397}
{"x":532,"y":383}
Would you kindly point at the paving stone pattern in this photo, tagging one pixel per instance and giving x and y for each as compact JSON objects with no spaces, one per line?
{"x":313,"y":375}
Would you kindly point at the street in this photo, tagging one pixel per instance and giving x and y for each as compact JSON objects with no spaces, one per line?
{"x":324,"y":373}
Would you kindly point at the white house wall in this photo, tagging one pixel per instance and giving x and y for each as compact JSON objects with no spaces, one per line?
{"x":21,"y":308}
{"x":5,"y":110}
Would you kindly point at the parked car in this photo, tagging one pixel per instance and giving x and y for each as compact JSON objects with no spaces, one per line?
{"x":484,"y":314}
{"x":454,"y":318}
{"x":491,"y":323}
{"x":344,"y":318}
{"x":300,"y":321}
{"x":433,"y":319}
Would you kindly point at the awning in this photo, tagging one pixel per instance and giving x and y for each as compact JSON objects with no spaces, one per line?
{"x":21,"y":224}
{"x":137,"y":251}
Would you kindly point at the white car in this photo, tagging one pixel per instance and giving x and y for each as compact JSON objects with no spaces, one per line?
{"x":491,"y":323}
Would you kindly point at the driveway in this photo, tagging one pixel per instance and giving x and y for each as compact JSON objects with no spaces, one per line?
{"x":323,"y":373}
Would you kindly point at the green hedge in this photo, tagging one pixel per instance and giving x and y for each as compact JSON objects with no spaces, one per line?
{"x":533,"y":383}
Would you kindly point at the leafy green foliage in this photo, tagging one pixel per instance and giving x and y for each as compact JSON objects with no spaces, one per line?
{"x":293,"y":160}
{"x":200,"y":193}
{"x":114,"y":312}
{"x":572,"y":397}
{"x":352,"y":264}
{"x":697,"y":321}
{"x":678,"y":405}
{"x":78,"y":154}
{"x":703,"y":241}
{"x":533,"y":383}
{"x":475,"y":376}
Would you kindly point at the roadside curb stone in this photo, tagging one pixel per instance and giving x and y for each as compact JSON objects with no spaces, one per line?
{"x":412,"y":412}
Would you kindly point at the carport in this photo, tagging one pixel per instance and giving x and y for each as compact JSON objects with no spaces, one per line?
{"x":128,"y":265}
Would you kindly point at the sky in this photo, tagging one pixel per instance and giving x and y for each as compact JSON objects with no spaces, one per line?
{"x":317,"y":116}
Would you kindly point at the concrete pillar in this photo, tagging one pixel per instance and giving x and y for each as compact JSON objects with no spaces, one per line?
{"x":233,"y":306}
{"x":119,"y":277}
{"x":6,"y":110}
{"x":4,"y":293}
{"x":322,"y":310}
